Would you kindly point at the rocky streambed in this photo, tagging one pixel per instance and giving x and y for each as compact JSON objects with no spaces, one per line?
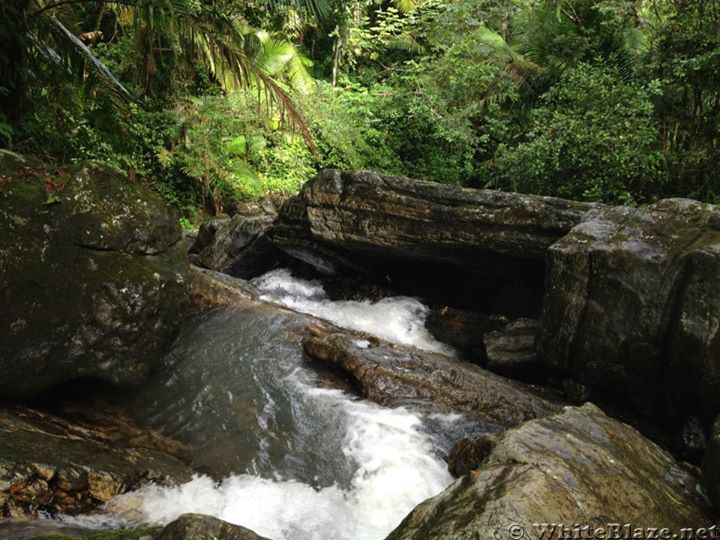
{"x":341,"y":358}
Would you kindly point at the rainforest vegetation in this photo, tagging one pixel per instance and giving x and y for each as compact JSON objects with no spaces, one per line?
{"x":216,"y":101}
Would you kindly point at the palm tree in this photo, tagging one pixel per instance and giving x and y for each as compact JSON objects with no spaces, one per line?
{"x":231,"y":51}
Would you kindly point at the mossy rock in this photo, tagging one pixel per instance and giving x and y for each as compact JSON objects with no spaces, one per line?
{"x":92,"y":277}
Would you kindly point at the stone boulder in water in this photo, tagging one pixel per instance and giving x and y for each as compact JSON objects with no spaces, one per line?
{"x":576,"y":467}
{"x":511,"y":352}
{"x":464,"y":330}
{"x":457,"y":245}
{"x":92,"y":277}
{"x":394,"y":375}
{"x":631,"y":305}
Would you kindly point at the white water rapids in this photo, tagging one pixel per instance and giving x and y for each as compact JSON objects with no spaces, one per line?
{"x":391,"y":462}
{"x":399,"y":319}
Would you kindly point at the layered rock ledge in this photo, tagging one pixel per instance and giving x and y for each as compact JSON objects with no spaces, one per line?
{"x":424,"y":237}
{"x":66,"y":466}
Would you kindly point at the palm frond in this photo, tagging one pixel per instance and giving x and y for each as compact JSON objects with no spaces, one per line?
{"x":279,"y":57}
{"x":72,"y":56}
{"x":231,"y":51}
{"x":406,"y":6}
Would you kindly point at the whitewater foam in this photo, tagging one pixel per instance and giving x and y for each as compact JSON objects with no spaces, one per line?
{"x":399,"y":319}
{"x":367,"y":466}
{"x":396,"y":470}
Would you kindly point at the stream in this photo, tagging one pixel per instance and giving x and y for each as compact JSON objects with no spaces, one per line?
{"x":299,"y":458}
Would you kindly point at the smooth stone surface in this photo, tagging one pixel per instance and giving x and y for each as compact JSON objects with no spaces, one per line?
{"x":209,"y":289}
{"x":201,"y":527}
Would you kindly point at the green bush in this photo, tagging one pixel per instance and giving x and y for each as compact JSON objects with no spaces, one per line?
{"x":592,"y":137}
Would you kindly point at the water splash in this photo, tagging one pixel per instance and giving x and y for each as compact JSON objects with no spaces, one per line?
{"x":300,"y":462}
{"x":400,"y":319}
{"x":396,"y":469}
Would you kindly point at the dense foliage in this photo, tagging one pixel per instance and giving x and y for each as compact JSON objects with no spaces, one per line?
{"x":604,"y":100}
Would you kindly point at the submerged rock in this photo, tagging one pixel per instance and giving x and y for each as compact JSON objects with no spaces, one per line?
{"x":186,"y":527}
{"x":57,"y":465}
{"x":92,"y":278}
{"x":237,"y":246}
{"x":631,"y":305}
{"x":201,"y":527}
{"x":457,"y":244}
{"x":576,"y":467}
{"x":394,"y":375}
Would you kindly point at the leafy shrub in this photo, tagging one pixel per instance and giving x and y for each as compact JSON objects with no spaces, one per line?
{"x":593,"y":137}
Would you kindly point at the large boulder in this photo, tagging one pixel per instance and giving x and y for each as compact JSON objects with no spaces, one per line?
{"x":459,"y":245}
{"x":631,"y":305}
{"x":64,"y":466}
{"x":92,"y":277}
{"x":393,"y":375}
{"x":576,"y":468}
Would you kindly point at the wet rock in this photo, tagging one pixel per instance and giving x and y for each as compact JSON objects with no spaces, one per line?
{"x":254,"y":207}
{"x":66,"y":466}
{"x":92,"y":278}
{"x":449,"y":243}
{"x":209,"y":289}
{"x":468,"y":454}
{"x":511,"y":351}
{"x":631,"y":306}
{"x":393,"y":375}
{"x":201,"y":527}
{"x":237,"y":246}
{"x":576,"y":467}
{"x":464,"y":330}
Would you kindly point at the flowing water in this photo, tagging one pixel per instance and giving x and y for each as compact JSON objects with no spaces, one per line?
{"x":298,"y":458}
